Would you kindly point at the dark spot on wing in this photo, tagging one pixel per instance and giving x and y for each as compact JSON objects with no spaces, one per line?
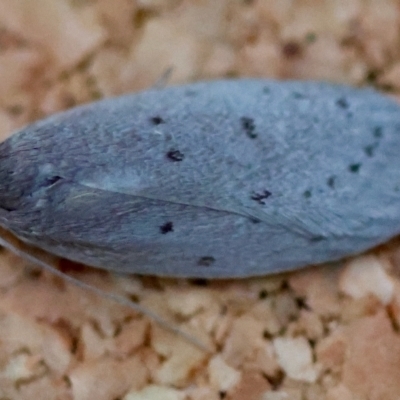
{"x":354,"y":167}
{"x":342,"y":103}
{"x":175,"y":155}
{"x":249,"y":127}
{"x":157,"y":120}
{"x":167,"y":227}
{"x":206,"y":261}
{"x":260,"y":197}
{"x":307,"y":194}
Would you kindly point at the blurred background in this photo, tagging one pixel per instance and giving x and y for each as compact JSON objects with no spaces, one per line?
{"x":58,"y":53}
{"x":328,"y":333}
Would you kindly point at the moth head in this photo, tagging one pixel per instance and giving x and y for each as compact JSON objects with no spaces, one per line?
{"x":21,"y":172}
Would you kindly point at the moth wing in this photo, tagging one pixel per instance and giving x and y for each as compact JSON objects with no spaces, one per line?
{"x":311,"y":223}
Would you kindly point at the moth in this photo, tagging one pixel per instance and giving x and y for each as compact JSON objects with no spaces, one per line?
{"x":221,"y":179}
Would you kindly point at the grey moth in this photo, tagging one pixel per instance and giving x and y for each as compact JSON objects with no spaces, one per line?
{"x":222,"y":179}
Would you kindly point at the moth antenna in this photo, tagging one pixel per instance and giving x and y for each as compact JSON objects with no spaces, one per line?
{"x":47,"y":262}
